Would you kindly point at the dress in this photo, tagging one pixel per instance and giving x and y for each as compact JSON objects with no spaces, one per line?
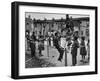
{"x":83,"y":48}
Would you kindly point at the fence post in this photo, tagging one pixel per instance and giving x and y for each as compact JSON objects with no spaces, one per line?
{"x":65,"y":57}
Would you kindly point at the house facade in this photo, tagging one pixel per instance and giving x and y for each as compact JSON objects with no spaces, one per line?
{"x":81,"y":25}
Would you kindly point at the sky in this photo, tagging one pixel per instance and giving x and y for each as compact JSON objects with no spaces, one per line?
{"x":41,"y":16}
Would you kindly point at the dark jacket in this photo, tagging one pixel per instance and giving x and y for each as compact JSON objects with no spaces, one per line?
{"x":56,"y":42}
{"x":74,"y":48}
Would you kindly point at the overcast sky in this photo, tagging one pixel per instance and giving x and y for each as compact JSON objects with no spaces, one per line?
{"x":41,"y":16}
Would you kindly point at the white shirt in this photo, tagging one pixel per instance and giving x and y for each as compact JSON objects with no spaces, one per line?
{"x":63,"y":42}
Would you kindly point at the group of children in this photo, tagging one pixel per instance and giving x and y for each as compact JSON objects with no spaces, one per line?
{"x":84,"y":49}
{"x":68,"y":44}
{"x":31,"y":43}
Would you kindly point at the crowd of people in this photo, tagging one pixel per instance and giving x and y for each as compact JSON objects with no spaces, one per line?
{"x":63,"y":43}
{"x":72,"y":44}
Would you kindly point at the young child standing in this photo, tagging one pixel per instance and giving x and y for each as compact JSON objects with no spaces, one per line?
{"x":83,"y":51}
{"x":75,"y":46}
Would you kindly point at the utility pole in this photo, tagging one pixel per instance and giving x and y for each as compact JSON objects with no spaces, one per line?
{"x":65,"y":57}
{"x":67,"y":19}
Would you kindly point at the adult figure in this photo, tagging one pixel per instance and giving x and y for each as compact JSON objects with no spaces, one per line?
{"x":32,"y":44}
{"x":75,"y":46}
{"x":88,"y":49}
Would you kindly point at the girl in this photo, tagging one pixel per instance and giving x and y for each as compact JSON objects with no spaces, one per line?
{"x":83,"y":49}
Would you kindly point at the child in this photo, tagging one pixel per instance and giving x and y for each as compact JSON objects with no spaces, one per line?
{"x":83,"y":49}
{"x":75,"y":46}
{"x":58,"y":47}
